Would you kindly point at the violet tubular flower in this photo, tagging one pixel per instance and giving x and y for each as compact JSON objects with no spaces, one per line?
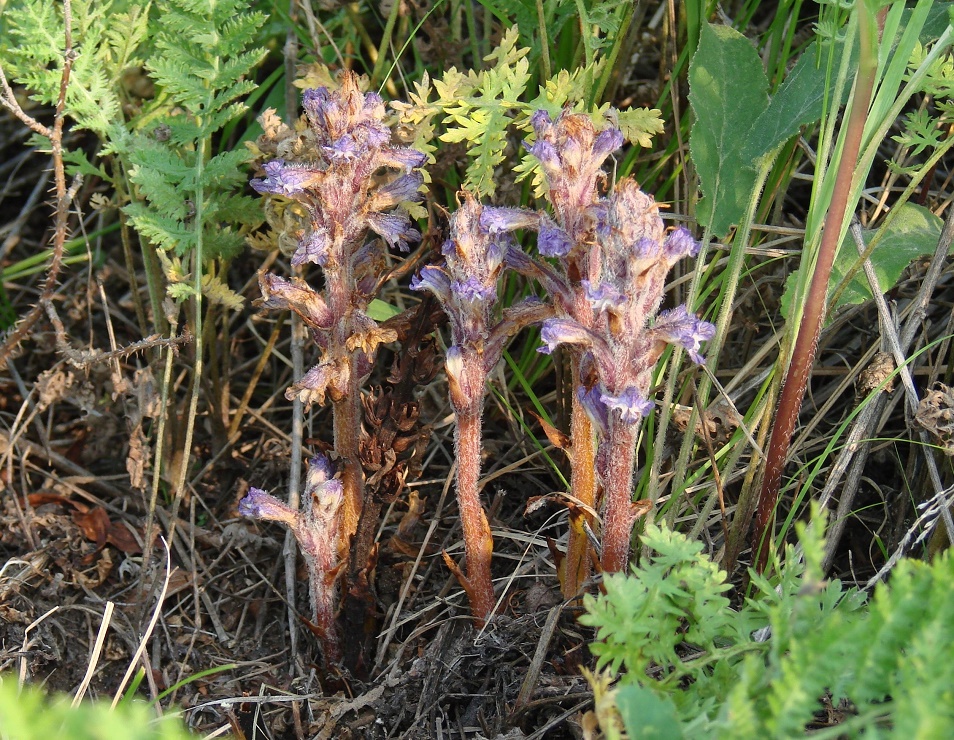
{"x":316,"y":528}
{"x":623,"y":341}
{"x":466,"y":286}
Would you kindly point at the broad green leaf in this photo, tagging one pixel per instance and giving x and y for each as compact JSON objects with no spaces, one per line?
{"x":798,"y":101}
{"x":381,"y":311}
{"x":728,"y":90}
{"x":913,"y":232}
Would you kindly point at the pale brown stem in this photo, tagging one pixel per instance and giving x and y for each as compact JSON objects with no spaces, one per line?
{"x":347,"y":434}
{"x":347,"y":410}
{"x":324,"y":603}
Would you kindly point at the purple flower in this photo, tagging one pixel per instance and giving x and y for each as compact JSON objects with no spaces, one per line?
{"x":320,"y":469}
{"x":552,"y":241}
{"x":555,"y":332}
{"x":680,"y":243}
{"x":315,"y":247}
{"x":646,"y":248}
{"x":257,"y":504}
{"x":435,"y":280}
{"x":593,"y":405}
{"x":314,"y":384}
{"x":395,"y":229}
{"x":547,"y":154}
{"x":282,"y":178}
{"x":403,"y":188}
{"x":607,"y":141}
{"x":500,"y":220}
{"x":630,"y":404}
{"x":540,"y":120}
{"x":473,"y":290}
{"x":403,"y":158}
{"x":604,"y":297}
{"x":324,"y":492}
{"x":678,"y":326}
{"x":296,"y":294}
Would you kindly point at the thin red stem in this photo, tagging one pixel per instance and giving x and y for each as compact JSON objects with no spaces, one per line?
{"x":806,"y":343}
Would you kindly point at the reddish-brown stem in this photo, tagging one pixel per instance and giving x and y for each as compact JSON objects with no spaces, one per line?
{"x":478,"y":541}
{"x":347,"y":434}
{"x":63,"y":196}
{"x":324,"y":603}
{"x":618,"y":517}
{"x":576,"y":564}
{"x":806,"y":343}
{"x":346,"y":411}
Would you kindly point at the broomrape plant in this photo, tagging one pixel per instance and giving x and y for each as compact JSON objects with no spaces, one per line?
{"x":612,"y":258}
{"x":339,"y":156}
{"x":605,"y":262}
{"x":610,"y":316}
{"x":466,"y":286}
{"x":621,"y":338}
{"x":571,"y":153}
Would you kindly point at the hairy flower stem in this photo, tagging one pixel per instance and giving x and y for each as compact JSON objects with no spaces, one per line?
{"x":324,"y":602}
{"x":618,"y":518}
{"x":346,"y":423}
{"x":314,"y":525}
{"x":576,"y":564}
{"x":478,"y":542}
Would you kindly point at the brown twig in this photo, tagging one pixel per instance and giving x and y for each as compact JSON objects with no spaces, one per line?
{"x":63,"y":195}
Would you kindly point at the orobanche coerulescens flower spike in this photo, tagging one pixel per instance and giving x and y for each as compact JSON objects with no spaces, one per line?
{"x":316,"y":527}
{"x":572,"y":152}
{"x":349,"y":180}
{"x":475,"y":256}
{"x":622,"y":341}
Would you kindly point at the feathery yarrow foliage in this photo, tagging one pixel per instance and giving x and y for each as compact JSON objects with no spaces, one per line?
{"x":690,"y":666}
{"x":477,"y":109}
{"x":29,"y":714}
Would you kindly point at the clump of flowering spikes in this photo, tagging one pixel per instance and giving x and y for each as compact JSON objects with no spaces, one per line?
{"x":345,"y":196}
{"x":623,"y":340}
{"x":466,"y":286}
{"x":572,"y":153}
{"x":316,"y":528}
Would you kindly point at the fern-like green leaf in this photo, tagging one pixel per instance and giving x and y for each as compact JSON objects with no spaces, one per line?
{"x":890,"y":661}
